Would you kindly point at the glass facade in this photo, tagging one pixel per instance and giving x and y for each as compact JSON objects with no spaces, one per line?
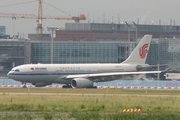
{"x":162,"y":51}
{"x":75,"y":52}
{"x":165,"y":52}
{"x":2,"y":30}
{"x":11,"y":54}
{"x":158,"y":52}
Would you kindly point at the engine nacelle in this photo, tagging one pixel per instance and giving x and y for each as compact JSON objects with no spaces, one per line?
{"x":41,"y":84}
{"x":81,"y":83}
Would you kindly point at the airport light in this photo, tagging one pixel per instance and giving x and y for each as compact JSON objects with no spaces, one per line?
{"x":136,"y":28}
{"x":128,"y":31}
{"x":127,"y":50}
{"x":158,"y":67}
{"x":52,"y":29}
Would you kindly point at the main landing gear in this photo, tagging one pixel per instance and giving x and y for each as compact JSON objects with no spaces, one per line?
{"x":66,"y":86}
{"x":24,"y":85}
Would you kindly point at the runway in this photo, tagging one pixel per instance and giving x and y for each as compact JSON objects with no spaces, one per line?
{"x":88,"y":94}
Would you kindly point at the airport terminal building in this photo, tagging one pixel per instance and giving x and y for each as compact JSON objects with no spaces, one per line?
{"x":94,"y":43}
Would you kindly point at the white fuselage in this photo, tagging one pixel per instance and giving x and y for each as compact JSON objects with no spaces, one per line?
{"x":55,"y":73}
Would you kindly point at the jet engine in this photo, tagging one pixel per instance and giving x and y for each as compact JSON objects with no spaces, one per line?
{"x":81,"y":83}
{"x":41,"y":84}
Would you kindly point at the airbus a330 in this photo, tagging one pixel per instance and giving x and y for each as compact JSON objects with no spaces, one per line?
{"x":84,"y":75}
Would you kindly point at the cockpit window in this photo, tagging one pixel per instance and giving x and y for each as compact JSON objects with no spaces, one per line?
{"x":17,"y":70}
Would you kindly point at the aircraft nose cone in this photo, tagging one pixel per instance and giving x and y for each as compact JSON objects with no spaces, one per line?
{"x":9,"y":75}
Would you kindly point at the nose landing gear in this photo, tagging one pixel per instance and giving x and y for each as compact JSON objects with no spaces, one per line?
{"x":24,"y":85}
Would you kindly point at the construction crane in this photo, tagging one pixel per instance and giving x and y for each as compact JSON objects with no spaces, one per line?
{"x":32,"y":16}
{"x":40,"y":17}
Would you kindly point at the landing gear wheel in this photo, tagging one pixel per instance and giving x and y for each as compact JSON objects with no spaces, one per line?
{"x":66,"y":86}
{"x":24,"y":85}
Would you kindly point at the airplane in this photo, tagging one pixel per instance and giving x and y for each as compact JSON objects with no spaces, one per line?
{"x":84,"y":75}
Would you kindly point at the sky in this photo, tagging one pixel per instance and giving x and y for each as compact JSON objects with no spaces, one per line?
{"x":99,"y":11}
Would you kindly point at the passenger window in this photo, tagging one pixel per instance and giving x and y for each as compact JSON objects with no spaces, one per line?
{"x":17,"y":70}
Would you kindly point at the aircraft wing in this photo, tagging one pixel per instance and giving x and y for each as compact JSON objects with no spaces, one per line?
{"x":111,"y":74}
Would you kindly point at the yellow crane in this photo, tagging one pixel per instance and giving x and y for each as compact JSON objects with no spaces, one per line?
{"x":40,"y":17}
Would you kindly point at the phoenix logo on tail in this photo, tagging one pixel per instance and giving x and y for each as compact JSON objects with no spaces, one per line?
{"x":143,"y":51}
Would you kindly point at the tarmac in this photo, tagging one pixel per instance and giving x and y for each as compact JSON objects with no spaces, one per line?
{"x":89,"y":94}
